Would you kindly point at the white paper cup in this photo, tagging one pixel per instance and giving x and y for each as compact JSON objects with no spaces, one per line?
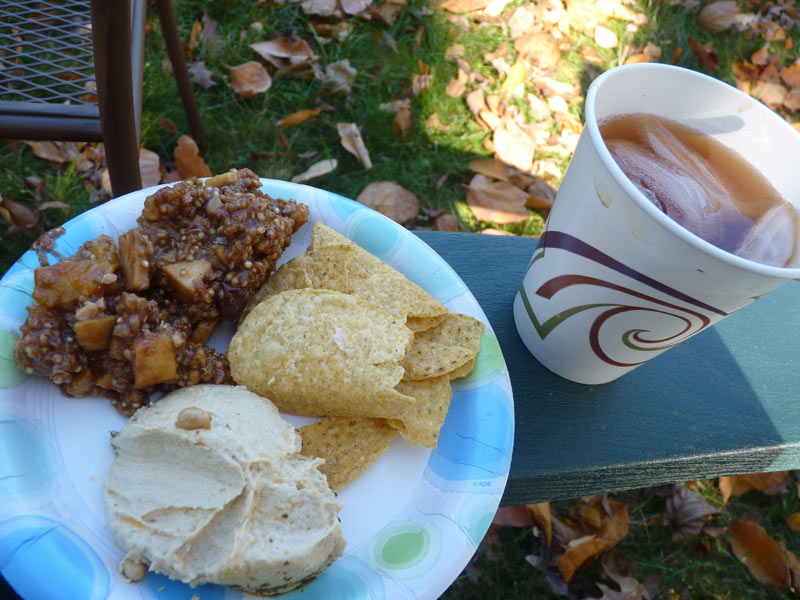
{"x":614,"y":281}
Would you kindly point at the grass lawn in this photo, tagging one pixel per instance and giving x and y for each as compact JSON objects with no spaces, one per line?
{"x":406,"y":60}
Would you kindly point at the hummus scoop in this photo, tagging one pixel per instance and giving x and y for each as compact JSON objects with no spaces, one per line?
{"x":208,"y":486}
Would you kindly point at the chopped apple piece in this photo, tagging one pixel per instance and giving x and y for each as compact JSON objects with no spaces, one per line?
{"x":93,"y":334}
{"x":203,"y":330}
{"x":185,"y":279}
{"x":63,"y":284}
{"x":136,"y":256}
{"x":154,"y":359}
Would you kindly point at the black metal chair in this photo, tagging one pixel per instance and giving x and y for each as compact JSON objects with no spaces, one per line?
{"x":54,"y":54}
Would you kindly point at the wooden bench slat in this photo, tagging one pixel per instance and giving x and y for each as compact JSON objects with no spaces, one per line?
{"x":723,"y":402}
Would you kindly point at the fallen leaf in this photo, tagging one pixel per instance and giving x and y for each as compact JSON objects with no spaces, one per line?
{"x":201,"y":75}
{"x":390,"y":199}
{"x":476,"y":102}
{"x":339,"y":77}
{"x":718,"y":16}
{"x":493,"y":231}
{"x":512,"y":145}
{"x":295,"y":50}
{"x":495,"y":7}
{"x":621,"y":573}
{"x":513,"y":516}
{"x":792,"y":99}
{"x":457,"y":85}
{"x":541,"y":194}
{"x":768,"y":561}
{"x":455,"y":51}
{"x":194,"y":36}
{"x":793,"y":521}
{"x":389,"y":10}
{"x":188,"y":161}
{"x":687,"y":512}
{"x":354,"y":7}
{"x":462,"y":6}
{"x":791,"y":75}
{"x":20,"y":216}
{"x":706,"y":55}
{"x":434,"y":123}
{"x":579,"y":553}
{"x":520,"y":21}
{"x":149,"y":168}
{"x":402,"y":122}
{"x":57,"y":152}
{"x":635,"y":59}
{"x":770,"y":93}
{"x":350,"y":137}
{"x":738,"y":485}
{"x":498,"y":201}
{"x":318,"y":169}
{"x":298,"y":117}
{"x":210,"y":36}
{"x":539,"y":48}
{"x":167,"y":124}
{"x":324,"y":8}
{"x":516,"y":75}
{"x":604,"y":37}
{"x":421,"y":81}
{"x":761,"y":56}
{"x":543,"y":517}
{"x":445,"y":222}
{"x":490,"y":167}
{"x":249,"y":79}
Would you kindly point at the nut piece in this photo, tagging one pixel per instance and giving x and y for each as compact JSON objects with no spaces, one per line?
{"x":154,"y":359}
{"x":133,"y":570}
{"x":63,"y":284}
{"x":185,"y":279}
{"x":223,"y":178}
{"x":136,"y":256}
{"x":93,"y":334}
{"x":203,"y":330}
{"x":193,"y":418}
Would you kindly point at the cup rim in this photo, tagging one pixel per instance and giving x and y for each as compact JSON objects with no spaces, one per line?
{"x":643,"y":202}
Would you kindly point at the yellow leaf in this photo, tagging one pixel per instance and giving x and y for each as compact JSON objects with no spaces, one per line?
{"x":516,"y":75}
{"x":299,"y":117}
{"x":793,"y":521}
{"x":542,"y":516}
{"x":489,"y":167}
{"x":768,"y":561}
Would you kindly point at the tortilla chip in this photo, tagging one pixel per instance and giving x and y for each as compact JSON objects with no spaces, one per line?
{"x":422,"y":423}
{"x":458,"y":330}
{"x":322,"y":353}
{"x":348,"y":445}
{"x":463,"y":370}
{"x":423,"y":323}
{"x":427,"y":359}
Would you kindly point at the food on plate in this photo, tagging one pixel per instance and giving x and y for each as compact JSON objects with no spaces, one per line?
{"x":124,"y":320}
{"x":336,"y":332}
{"x":335,"y":263}
{"x":348,"y":444}
{"x":323,"y":353}
{"x":208,"y":486}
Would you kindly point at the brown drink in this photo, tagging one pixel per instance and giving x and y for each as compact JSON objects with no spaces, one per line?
{"x":706,"y":187}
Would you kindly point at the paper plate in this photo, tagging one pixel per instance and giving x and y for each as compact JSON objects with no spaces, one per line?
{"x":411,"y":522}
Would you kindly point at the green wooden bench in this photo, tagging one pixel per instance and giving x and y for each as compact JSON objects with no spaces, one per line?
{"x":724,"y":402}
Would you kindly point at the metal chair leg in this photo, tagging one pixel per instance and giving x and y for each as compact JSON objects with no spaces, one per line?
{"x":175,"y":52}
{"x":111,"y":35}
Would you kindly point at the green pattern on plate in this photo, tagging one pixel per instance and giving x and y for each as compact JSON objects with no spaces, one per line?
{"x":489,"y":360}
{"x":10,"y":375}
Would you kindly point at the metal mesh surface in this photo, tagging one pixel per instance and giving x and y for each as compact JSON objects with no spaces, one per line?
{"x":46,"y":51}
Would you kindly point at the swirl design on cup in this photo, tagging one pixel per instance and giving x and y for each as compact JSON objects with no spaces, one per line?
{"x":689,"y":321}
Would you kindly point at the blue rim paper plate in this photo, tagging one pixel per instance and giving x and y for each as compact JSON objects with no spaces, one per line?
{"x":412,"y":521}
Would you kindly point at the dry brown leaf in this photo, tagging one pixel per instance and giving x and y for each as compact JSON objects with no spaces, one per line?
{"x":513,"y":516}
{"x":455,"y":51}
{"x":792,"y":99}
{"x":350,"y":137}
{"x":457,"y":85}
{"x":402,"y":122}
{"x":445,"y":222}
{"x":301,"y":116}
{"x":210,"y":36}
{"x":462,"y":6}
{"x":761,"y":56}
{"x":434,"y":123}
{"x":652,"y":52}
{"x":295,"y":50}
{"x":389,"y":10}
{"x":353,"y":7}
{"x":687,"y":512}
{"x":635,"y":59}
{"x":578,"y":553}
{"x":738,"y":485}
{"x":188,"y":161}
{"x":18,"y":215}
{"x":421,"y":81}
{"x":520,"y":21}
{"x":318,"y":169}
{"x":706,"y":55}
{"x":541,"y":194}
{"x":539,"y":48}
{"x":543,"y":517}
{"x":489,"y":167}
{"x":718,"y":16}
{"x":323,"y":8}
{"x":476,"y":103}
{"x":339,"y":77}
{"x":512,"y":145}
{"x":793,"y":521}
{"x":58,"y":152}
{"x":249,"y":79}
{"x":791,"y":75}
{"x":621,"y":573}
{"x":149,"y":168}
{"x":768,"y":561}
{"x":498,"y":202}
{"x":770,"y":93}
{"x":194,"y":37}
{"x":390,"y":199}
{"x":201,"y":75}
